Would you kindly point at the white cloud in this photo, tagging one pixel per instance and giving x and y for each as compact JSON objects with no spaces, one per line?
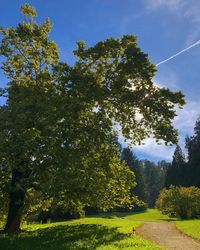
{"x":187,"y":117}
{"x":151,"y":148}
{"x":184,"y":9}
{"x":171,"y":4}
{"x":184,"y":122}
{"x":168,"y":79}
{"x":193,"y":36}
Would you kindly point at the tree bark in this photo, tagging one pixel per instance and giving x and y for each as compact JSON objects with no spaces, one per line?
{"x":16,"y":203}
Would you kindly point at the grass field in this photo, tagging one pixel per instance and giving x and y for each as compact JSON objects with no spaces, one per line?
{"x":106,"y":231}
{"x":89,"y":233}
{"x":190,"y":227}
{"x":149,"y":215}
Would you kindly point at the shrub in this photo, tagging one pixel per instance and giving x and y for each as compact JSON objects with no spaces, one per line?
{"x":182,"y":202}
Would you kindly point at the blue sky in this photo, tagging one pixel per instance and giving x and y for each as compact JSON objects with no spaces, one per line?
{"x":163,"y":27}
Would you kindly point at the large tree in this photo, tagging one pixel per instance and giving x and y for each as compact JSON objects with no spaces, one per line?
{"x":27,"y":119}
{"x":59,"y":120}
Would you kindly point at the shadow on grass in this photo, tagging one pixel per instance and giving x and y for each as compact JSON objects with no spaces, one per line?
{"x":123,"y":215}
{"x":170,"y":219}
{"x":110,"y":215}
{"x":62,"y":237}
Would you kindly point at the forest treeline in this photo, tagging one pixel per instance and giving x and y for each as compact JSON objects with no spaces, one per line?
{"x":185,"y":167}
{"x":183,"y":171}
{"x":151,"y":178}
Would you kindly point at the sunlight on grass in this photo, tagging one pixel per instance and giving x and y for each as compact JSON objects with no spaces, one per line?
{"x":149,"y":215}
{"x":190,"y":227}
{"x":87,"y":233}
{"x":106,"y":231}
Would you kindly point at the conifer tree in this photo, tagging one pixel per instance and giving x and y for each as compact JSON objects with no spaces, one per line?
{"x":131,"y":160}
{"x":193,"y":147}
{"x":177,"y":173}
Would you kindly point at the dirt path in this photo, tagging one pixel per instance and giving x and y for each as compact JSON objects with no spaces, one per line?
{"x":165,"y":234}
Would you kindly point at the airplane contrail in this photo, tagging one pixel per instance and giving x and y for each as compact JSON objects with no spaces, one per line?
{"x":180,"y":52}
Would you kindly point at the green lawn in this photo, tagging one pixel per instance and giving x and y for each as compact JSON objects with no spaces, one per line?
{"x":88,"y":233}
{"x":190,"y":227}
{"x":149,"y":215}
{"x":106,"y":231}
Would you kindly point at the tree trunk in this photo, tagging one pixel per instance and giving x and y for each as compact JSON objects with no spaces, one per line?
{"x":16,"y":203}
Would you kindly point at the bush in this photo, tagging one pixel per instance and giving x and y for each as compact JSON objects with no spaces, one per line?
{"x":182,"y":202}
{"x":55,"y":213}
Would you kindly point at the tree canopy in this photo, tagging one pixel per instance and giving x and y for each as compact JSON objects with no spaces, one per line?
{"x":57,"y":127}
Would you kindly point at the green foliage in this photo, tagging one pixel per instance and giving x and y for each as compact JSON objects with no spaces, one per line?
{"x":182,"y":172}
{"x":124,"y":89}
{"x":57,"y":126}
{"x":193,"y":147}
{"x":140,"y":190}
{"x":154,"y":176}
{"x":26,"y":135}
{"x":182,"y":202}
{"x":177,"y":171}
{"x":28,"y":10}
{"x":4,"y":186}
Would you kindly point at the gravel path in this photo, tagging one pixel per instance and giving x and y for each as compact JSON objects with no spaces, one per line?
{"x":165,"y":234}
